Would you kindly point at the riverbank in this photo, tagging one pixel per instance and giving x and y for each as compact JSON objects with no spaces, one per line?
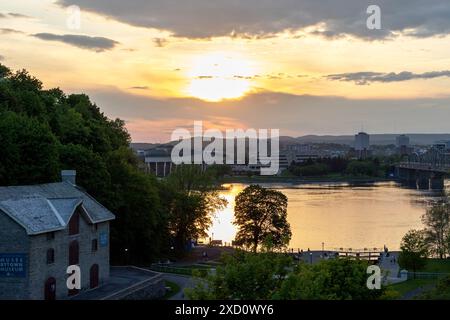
{"x":304,"y":180}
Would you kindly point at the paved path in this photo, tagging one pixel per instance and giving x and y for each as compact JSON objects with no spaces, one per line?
{"x":182,"y":281}
{"x":389,"y":266}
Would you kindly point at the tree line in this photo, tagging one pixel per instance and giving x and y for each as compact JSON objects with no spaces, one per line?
{"x":43,"y":131}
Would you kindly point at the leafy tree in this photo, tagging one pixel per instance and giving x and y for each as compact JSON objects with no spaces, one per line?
{"x":414,"y":251}
{"x":29,"y":150}
{"x":261,"y":214}
{"x":437,"y":227}
{"x":336,"y":279}
{"x":43,"y":131}
{"x":267,"y":275}
{"x":249,"y":276}
{"x":192,"y":200}
{"x":362,"y":168}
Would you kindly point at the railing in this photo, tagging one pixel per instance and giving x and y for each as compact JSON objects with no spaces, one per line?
{"x":427,"y":275}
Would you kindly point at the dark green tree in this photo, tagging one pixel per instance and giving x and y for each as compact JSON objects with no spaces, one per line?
{"x":414,"y":251}
{"x":29,"y":150}
{"x":192,"y":199}
{"x":437,"y":227}
{"x":244,"y":276}
{"x":336,"y":279}
{"x":261,"y":216}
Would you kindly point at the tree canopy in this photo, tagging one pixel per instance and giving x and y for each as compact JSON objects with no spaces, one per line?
{"x":45,"y":131}
{"x":261,"y":217}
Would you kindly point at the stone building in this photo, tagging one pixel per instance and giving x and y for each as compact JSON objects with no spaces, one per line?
{"x":44,"y":229}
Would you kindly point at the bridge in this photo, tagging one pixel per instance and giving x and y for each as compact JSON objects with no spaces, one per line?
{"x":426,"y":170}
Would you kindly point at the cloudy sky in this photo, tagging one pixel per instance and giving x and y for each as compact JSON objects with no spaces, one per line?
{"x":303,"y":66}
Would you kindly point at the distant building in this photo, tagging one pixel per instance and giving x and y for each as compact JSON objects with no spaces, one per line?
{"x":46,"y":228}
{"x":362,"y":145}
{"x":403,"y":145}
{"x":158,"y":161}
{"x":402,"y":141}
{"x":442,"y":145}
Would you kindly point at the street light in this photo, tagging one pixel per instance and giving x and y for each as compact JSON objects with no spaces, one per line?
{"x":310,"y":257}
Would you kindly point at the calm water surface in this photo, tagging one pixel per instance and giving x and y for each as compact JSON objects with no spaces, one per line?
{"x":340,"y":215}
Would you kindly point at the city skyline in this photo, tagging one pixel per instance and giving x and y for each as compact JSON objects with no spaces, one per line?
{"x":290,"y":65}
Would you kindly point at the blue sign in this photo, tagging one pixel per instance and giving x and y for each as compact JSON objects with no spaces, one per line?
{"x":13,"y":265}
{"x":103,"y":239}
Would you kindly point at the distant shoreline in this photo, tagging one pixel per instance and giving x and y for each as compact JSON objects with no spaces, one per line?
{"x":277,"y":179}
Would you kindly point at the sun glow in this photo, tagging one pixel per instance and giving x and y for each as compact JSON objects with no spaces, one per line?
{"x":215,"y":77}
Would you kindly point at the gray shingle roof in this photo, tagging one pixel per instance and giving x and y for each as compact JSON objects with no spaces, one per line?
{"x":48,"y":207}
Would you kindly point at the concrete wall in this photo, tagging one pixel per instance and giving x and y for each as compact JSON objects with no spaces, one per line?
{"x":13,"y":239}
{"x":40,"y":271}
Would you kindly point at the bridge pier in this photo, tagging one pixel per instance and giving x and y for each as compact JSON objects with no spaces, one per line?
{"x":423,"y":181}
{"x":421,"y":176}
{"x":437,"y":183}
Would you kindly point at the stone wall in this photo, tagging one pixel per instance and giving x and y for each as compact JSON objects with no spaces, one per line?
{"x":40,"y":271}
{"x":13,"y":239}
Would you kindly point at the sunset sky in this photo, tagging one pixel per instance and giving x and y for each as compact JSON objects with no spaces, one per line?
{"x":303,"y":66}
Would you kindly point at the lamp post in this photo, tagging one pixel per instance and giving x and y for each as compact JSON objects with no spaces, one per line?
{"x":310,"y":257}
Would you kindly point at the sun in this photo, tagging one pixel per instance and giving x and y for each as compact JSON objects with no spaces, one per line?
{"x":218,"y":76}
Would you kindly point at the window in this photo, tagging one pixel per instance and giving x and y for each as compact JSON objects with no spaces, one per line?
{"x":95,"y":227}
{"x":94,"y":245}
{"x":74,"y":224}
{"x":74,"y":253}
{"x":50,"y":256}
{"x":50,"y":236}
{"x":50,"y":289}
{"x":94,"y":276}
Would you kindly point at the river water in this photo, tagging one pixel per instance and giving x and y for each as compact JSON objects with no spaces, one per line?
{"x":340,"y":215}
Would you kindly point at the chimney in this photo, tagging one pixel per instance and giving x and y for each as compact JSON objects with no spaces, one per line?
{"x":69,"y":176}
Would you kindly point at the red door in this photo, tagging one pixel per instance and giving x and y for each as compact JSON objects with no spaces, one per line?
{"x":94,"y":276}
{"x":50,"y":289}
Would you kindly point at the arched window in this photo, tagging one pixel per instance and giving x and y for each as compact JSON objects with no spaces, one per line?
{"x":50,"y":289}
{"x":94,"y":275}
{"x":50,"y":256}
{"x":74,"y":224}
{"x":74,"y":253}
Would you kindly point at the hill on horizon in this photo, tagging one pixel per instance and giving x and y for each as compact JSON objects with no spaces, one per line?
{"x":375,"y":139}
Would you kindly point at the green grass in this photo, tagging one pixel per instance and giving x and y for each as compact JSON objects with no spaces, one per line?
{"x":174,"y":289}
{"x":184,"y":270}
{"x":404,"y":287}
{"x":433,"y":266}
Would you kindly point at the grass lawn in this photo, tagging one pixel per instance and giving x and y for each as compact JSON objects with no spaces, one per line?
{"x":404,"y":287}
{"x":181,"y":270}
{"x":433,"y":265}
{"x":174,"y":289}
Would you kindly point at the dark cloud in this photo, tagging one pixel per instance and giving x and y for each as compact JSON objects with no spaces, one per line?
{"x":10,"y":31}
{"x":264,"y":18}
{"x":18,"y":15}
{"x":13,"y":15}
{"x":140,"y":88}
{"x":97,"y":44}
{"x":365,"y":78}
{"x":293,"y":114}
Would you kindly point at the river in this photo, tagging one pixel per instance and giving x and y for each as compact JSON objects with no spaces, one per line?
{"x":339,"y":215}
